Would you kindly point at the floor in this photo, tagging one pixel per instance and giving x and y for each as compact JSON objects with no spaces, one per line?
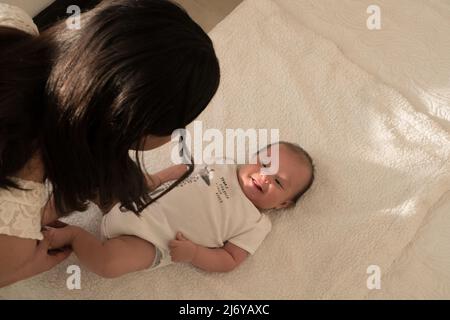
{"x":208,"y":13}
{"x":32,"y":7}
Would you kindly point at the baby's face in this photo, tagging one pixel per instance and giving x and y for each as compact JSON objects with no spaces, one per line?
{"x":274,"y":191}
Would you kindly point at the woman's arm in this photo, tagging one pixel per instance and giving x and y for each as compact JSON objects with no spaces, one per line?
{"x":168,"y":174}
{"x":109,"y":259}
{"x":14,"y":252}
{"x":153,"y":182}
{"x":222,"y":259}
{"x":24,"y":258}
{"x":49,"y":213}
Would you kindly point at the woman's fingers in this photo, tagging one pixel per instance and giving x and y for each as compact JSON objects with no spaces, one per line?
{"x":53,"y":257}
{"x":57,"y":237}
{"x":180,"y":237}
{"x":57,"y":224}
{"x":58,"y":257}
{"x":173,"y":243}
{"x":44,"y":244}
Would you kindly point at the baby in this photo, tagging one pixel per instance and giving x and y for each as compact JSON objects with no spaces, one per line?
{"x":212,"y":219}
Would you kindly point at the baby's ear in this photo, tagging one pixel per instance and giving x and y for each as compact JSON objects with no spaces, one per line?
{"x":286,"y":204}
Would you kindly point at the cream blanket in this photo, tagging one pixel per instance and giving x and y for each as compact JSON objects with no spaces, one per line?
{"x":381,"y":157}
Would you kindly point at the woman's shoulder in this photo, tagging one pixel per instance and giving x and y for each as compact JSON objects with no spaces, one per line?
{"x":30,"y":180}
{"x":30,"y":193}
{"x":16,"y":18}
{"x":21,"y":209}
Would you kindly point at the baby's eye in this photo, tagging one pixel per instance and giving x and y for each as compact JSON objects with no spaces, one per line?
{"x":278,"y":182}
{"x":264,"y":165}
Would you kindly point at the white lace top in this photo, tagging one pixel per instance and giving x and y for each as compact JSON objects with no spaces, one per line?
{"x":21,"y":211}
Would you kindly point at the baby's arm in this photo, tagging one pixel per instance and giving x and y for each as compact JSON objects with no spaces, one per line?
{"x":108,"y":259}
{"x":213,"y":260}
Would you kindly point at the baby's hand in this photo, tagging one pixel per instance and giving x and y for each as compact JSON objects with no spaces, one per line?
{"x":182,"y":249}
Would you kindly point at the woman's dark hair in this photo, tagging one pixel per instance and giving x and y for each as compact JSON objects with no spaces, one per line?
{"x":84,"y":98}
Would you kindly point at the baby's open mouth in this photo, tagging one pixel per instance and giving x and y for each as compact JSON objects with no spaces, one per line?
{"x":256,"y":184}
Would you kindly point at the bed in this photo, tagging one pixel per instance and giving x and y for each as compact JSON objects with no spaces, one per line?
{"x":373,"y":109}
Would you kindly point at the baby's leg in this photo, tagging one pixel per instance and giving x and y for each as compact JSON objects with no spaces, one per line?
{"x":111,"y":258}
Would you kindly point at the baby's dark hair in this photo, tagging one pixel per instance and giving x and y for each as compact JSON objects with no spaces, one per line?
{"x":305,"y":158}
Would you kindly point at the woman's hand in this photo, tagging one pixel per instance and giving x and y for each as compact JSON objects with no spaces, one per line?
{"x":40,"y":261}
{"x":177,"y":171}
{"x":153,"y":181}
{"x":60,"y":237}
{"x":168,"y":174}
{"x":182,"y":249}
{"x":45,"y":259}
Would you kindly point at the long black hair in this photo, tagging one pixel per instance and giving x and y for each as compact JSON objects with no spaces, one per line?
{"x":135,"y":68}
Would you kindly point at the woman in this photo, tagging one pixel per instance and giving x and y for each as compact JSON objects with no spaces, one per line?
{"x":72,"y":105}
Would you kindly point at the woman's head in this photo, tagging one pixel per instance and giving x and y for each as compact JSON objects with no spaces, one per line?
{"x":144,"y":67}
{"x":134,"y":72}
